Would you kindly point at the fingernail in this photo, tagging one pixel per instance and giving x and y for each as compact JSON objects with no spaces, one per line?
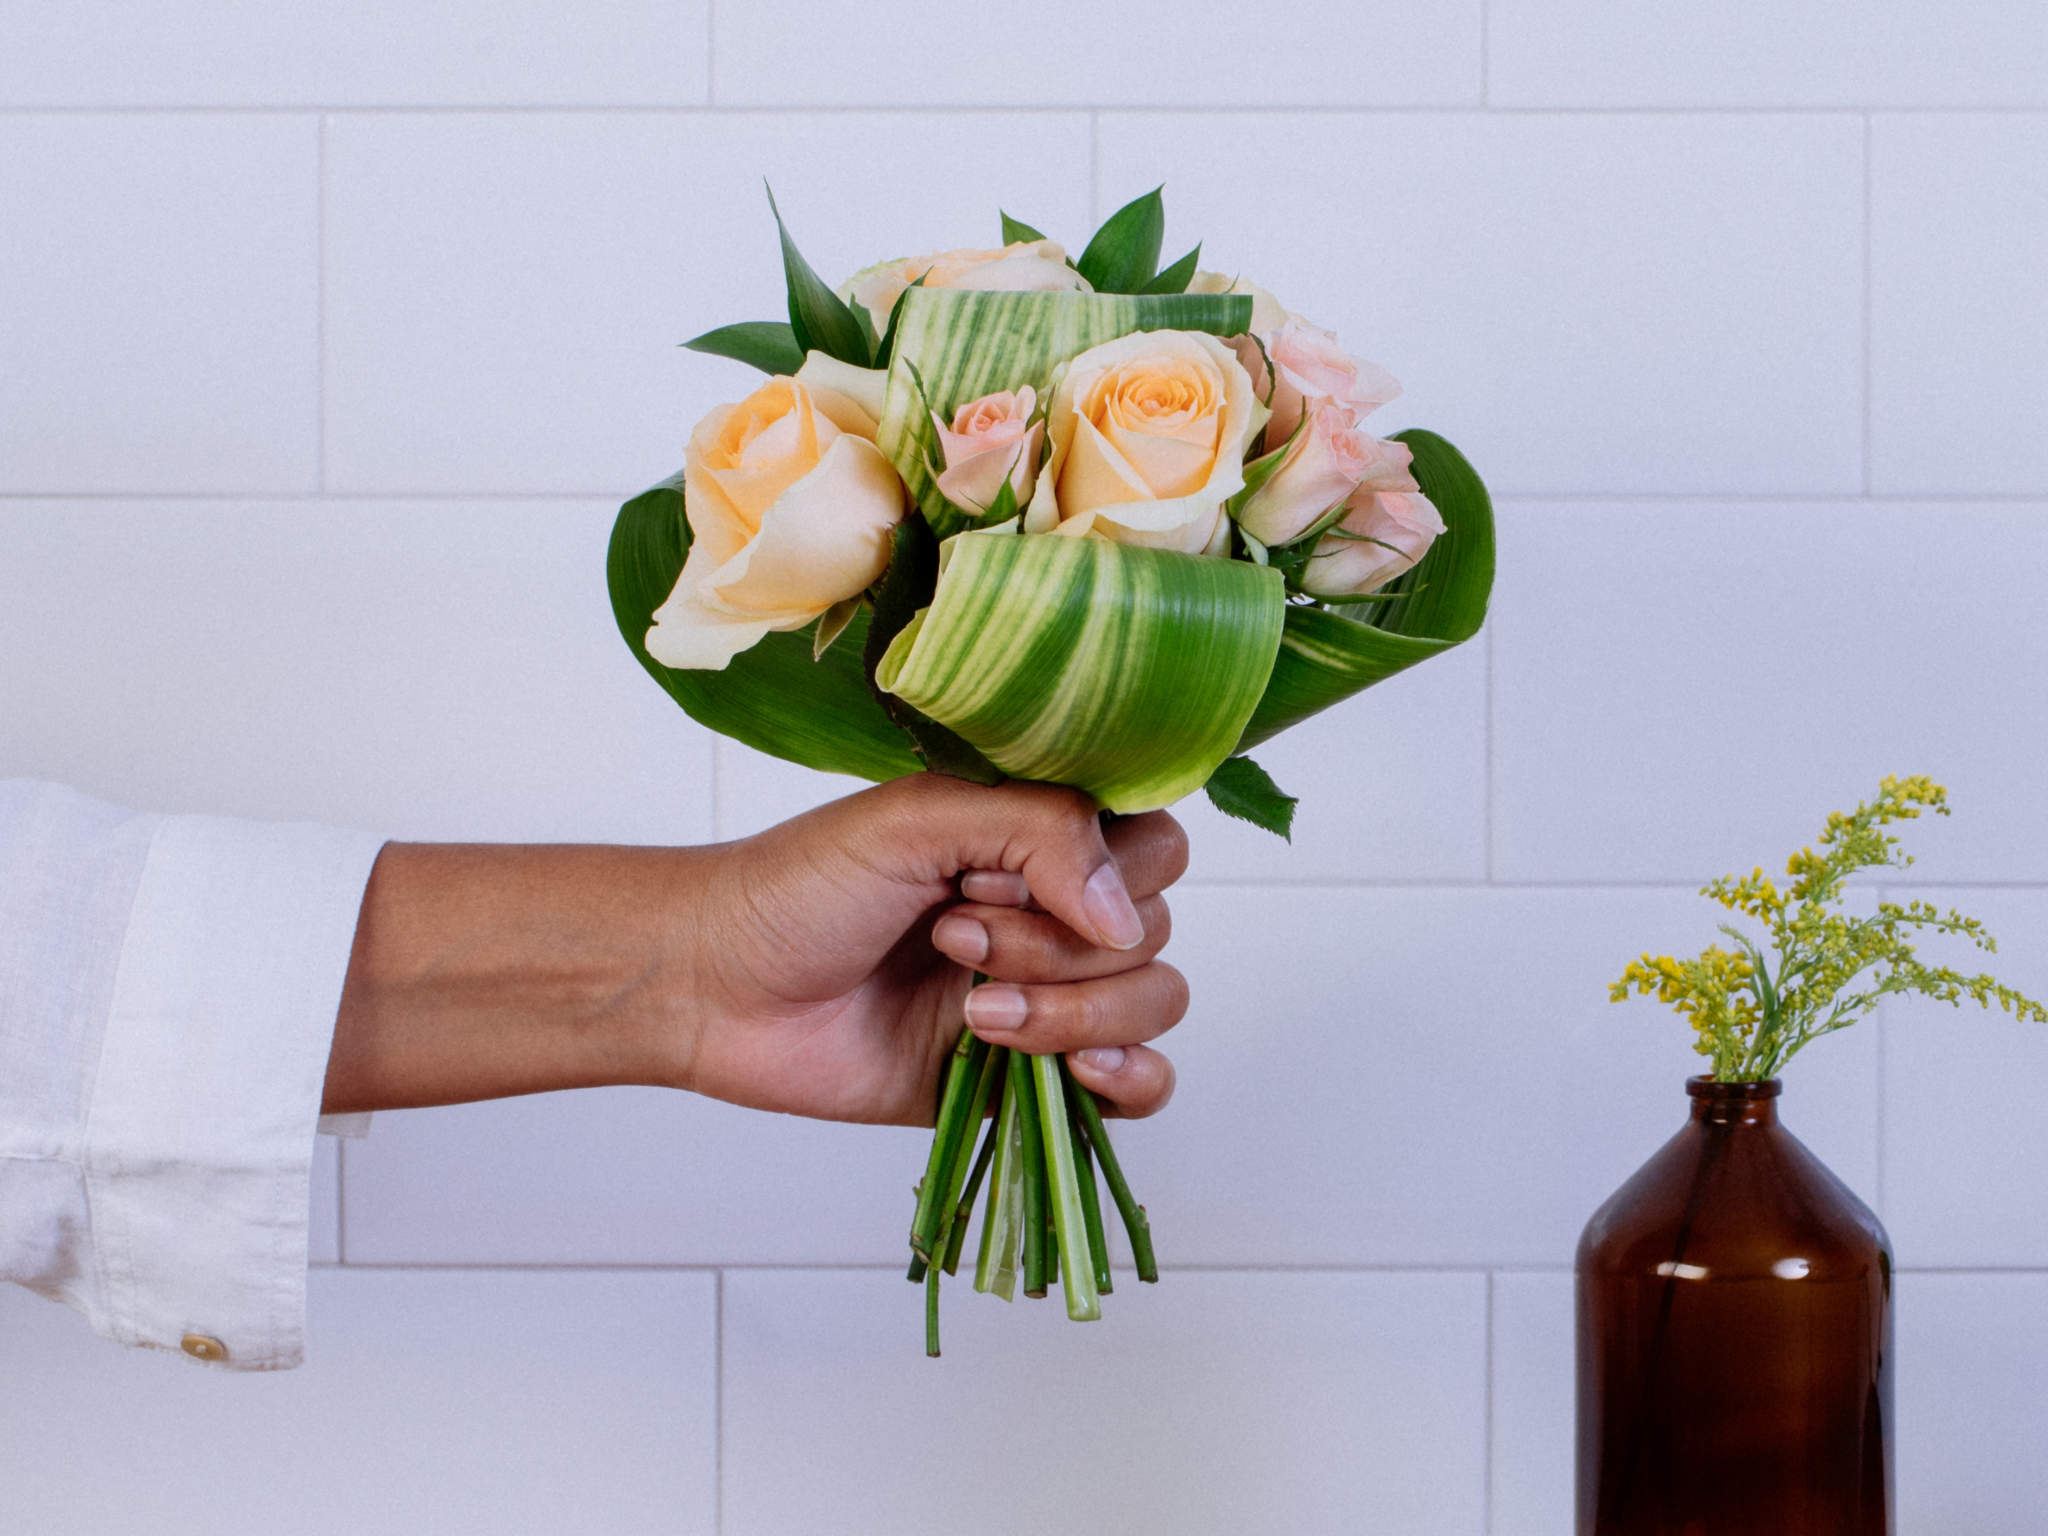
{"x":1101,"y":1058}
{"x":991,"y":1006}
{"x":961,"y":937}
{"x":1109,"y":908}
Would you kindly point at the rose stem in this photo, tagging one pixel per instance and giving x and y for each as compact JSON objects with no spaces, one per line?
{"x":1091,"y":1197}
{"x":964,"y":1212}
{"x":953,"y":1217}
{"x":995,"y":1268}
{"x":1070,"y":1228}
{"x":931,"y":1314}
{"x":1127,"y":1206}
{"x":1034,"y":1174}
{"x":963,"y":1071}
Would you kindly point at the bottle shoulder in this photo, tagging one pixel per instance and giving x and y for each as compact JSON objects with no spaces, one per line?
{"x":1734,"y":1202}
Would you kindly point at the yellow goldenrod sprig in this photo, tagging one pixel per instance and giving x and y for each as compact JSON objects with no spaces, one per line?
{"x":1751,"y":1015}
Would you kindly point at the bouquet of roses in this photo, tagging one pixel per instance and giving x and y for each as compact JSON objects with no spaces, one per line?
{"x":996,"y":513}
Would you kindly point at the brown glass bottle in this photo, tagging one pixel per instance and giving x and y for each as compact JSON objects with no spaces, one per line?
{"x":1734,"y":1339}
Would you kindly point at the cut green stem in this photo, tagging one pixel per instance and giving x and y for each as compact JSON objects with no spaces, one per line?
{"x":1069,"y":1217}
{"x":1026,"y":1094}
{"x":1002,"y":1229}
{"x":1127,"y":1206}
{"x":963,"y":1074}
{"x":953,"y":1230}
{"x":1091,"y":1196}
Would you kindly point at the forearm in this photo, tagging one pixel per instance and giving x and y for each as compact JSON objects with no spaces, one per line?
{"x":483,"y":971}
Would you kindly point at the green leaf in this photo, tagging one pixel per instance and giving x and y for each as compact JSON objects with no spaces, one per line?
{"x":962,"y":345}
{"x":905,"y":588}
{"x":820,"y":321}
{"x":1124,"y":255}
{"x":1327,"y":657}
{"x":1175,"y":279}
{"x":1014,"y":231}
{"x":769,"y":345}
{"x":773,"y":697}
{"x":1124,"y":671}
{"x":887,"y":348}
{"x":1240,"y":787}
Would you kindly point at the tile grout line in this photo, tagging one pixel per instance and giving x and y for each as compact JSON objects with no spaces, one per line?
{"x":320,"y":305}
{"x":1883,"y":1050}
{"x":1869,"y":373}
{"x":1094,"y":166}
{"x":718,"y":1401}
{"x":711,"y":53}
{"x":1486,"y":1436}
{"x":1488,"y":775}
{"x":653,"y":108}
{"x":341,"y":1200}
{"x":1486,"y":58}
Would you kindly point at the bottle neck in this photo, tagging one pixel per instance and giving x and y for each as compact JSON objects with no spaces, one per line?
{"x":1733,"y":1103}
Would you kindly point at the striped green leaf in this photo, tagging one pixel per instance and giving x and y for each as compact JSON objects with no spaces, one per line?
{"x":1326,"y":657}
{"x":963,"y":345}
{"x":774,"y":697}
{"x":1126,"y":672}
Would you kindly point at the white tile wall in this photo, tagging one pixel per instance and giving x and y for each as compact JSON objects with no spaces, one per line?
{"x":369,"y":53}
{"x":1197,"y":1406}
{"x":787,"y":53}
{"x":575,"y":1404}
{"x":158,"y":303}
{"x":1767,"y":53}
{"x":1959,"y":378}
{"x":1736,"y":669}
{"x":1586,"y":304}
{"x":316,"y":395}
{"x":1533,"y":1404}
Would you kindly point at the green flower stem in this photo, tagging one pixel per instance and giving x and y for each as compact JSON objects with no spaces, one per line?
{"x":963,"y":1072}
{"x":953,"y":1229}
{"x":1001,"y":1224}
{"x":1034,"y":1174}
{"x":1091,"y":1196}
{"x":1127,"y":1206}
{"x":931,"y":1314}
{"x":1070,"y":1227}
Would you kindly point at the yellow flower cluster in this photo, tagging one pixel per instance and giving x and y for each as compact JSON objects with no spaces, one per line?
{"x":1751,"y":1015}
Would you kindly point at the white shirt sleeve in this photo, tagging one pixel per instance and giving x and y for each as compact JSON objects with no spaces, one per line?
{"x":168,"y":991}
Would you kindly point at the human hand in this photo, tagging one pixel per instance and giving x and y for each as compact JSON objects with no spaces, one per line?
{"x":831,"y":956}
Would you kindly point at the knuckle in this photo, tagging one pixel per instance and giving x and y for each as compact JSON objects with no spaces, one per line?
{"x":1174,"y":993}
{"x":1173,"y":847}
{"x":1158,"y":919}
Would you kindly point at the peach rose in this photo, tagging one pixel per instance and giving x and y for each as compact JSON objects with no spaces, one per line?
{"x":1383,"y":534}
{"x":1308,"y":364}
{"x":1268,"y":313}
{"x":991,"y":440}
{"x":789,"y":514}
{"x":1323,"y":464}
{"x":1148,"y":435}
{"x":1028,"y":266}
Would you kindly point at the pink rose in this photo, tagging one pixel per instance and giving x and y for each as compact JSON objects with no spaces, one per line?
{"x":992,"y":439}
{"x":1308,"y":364}
{"x":1383,"y":534}
{"x":1325,"y":462}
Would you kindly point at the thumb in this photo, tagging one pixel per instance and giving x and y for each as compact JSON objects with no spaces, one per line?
{"x":1050,"y":835}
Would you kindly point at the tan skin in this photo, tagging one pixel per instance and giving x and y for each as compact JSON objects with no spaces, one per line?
{"x":820,"y":968}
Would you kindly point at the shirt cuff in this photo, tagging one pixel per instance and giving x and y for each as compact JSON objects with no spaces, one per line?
{"x":199,"y":1141}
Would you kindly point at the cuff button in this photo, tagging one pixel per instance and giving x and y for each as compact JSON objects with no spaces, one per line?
{"x":201,"y":1346}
